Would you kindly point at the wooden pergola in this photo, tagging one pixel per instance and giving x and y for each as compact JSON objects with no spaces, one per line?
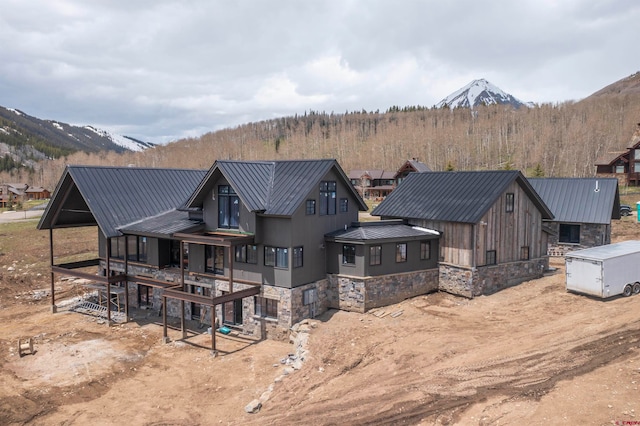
{"x":171,"y":290}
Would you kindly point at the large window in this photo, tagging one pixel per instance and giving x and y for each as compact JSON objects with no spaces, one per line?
{"x":327,"y":197}
{"x":276,"y":256}
{"x":266,"y":307}
{"x":228,"y":207}
{"x":509,"y":202}
{"x":348,"y":254}
{"x":247,"y":254}
{"x":117,"y":248}
{"x":425,"y":250}
{"x":137,"y":248}
{"x":297,"y":257}
{"x":375,"y":255}
{"x":214,"y":259}
{"x":569,"y":233}
{"x":401,"y":252}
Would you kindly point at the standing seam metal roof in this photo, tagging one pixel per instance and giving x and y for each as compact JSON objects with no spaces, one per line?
{"x":271,"y":187}
{"x":576,"y":199}
{"x":117,"y":196}
{"x":453,"y":196}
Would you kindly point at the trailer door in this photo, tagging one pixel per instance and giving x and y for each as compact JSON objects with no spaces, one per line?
{"x":585,"y":276}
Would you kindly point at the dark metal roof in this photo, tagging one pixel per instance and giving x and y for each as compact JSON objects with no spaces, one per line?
{"x":371,"y":231}
{"x":419,"y":166}
{"x":163,"y":225}
{"x":580,"y":200}
{"x":453,"y":196}
{"x":112,"y":197}
{"x":271,"y":187}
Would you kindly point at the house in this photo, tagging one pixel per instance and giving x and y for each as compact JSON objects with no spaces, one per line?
{"x":377,"y":184}
{"x":622,"y":165}
{"x":12,"y":193}
{"x":491,"y":224}
{"x":410,"y":166}
{"x":252,"y":245}
{"x":582,"y":210}
{"x":37,"y":193}
{"x":374,"y":184}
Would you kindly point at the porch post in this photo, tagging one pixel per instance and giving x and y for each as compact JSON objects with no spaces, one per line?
{"x":126,"y":279}
{"x":165,"y":339}
{"x":214,"y":352}
{"x":108,"y":282}
{"x":182,"y":324}
{"x":231,"y":255}
{"x":54,"y":308}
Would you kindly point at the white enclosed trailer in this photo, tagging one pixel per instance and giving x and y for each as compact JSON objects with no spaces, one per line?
{"x":605,"y":271}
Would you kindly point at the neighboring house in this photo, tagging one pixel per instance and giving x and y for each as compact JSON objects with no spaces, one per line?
{"x":12,"y":193}
{"x":582,"y":210}
{"x":410,"y":166}
{"x":491,"y":224}
{"x":377,"y":184}
{"x":623,"y":165}
{"x":37,"y":193}
{"x":255,"y":245}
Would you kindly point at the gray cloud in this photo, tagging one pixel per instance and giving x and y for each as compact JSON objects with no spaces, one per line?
{"x":165,"y":69}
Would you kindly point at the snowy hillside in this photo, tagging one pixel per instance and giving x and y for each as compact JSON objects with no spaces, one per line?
{"x":126,"y":142}
{"x":479,"y":92}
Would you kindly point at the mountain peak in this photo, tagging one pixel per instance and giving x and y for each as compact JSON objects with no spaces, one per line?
{"x":479,"y":92}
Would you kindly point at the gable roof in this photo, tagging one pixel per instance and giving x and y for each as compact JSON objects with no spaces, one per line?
{"x":275,"y":188}
{"x":580,"y":200}
{"x":379,"y":231}
{"x":113,"y":197}
{"x":453,"y":196}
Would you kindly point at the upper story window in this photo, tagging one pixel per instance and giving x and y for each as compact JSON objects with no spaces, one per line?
{"x":509,"y":205}
{"x":297,"y":257}
{"x":375,"y":255}
{"x":425,"y":250}
{"x":327,"y":197}
{"x":228,"y":207}
{"x":276,"y":256}
{"x":401,"y":252}
{"x":344,"y":205}
{"x":137,"y":248}
{"x":311,"y":207}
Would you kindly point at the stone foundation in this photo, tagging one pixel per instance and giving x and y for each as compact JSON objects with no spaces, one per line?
{"x":486,"y":280}
{"x":362,"y":294}
{"x":591,"y":235}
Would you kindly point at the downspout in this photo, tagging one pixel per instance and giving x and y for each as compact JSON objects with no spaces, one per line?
{"x":54,"y":309}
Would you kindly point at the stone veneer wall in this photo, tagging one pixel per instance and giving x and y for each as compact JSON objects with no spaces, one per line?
{"x":358,"y":294}
{"x":591,"y":235}
{"x":291,"y":310}
{"x":485,"y":280}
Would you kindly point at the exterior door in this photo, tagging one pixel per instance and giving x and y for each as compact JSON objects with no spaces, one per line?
{"x":232,"y":312}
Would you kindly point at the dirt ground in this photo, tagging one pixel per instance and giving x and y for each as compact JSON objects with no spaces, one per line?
{"x":531,"y":354}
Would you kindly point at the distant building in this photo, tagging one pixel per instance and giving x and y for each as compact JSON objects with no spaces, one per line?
{"x":622,"y":165}
{"x":377,"y":184}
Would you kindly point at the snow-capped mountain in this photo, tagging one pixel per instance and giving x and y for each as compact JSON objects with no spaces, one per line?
{"x":126,"y":142}
{"x":479,"y":92}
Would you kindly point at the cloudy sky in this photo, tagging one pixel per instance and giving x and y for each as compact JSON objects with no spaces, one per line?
{"x":160,"y":70}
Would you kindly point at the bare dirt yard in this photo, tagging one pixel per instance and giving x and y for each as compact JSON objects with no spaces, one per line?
{"x":531,"y":354}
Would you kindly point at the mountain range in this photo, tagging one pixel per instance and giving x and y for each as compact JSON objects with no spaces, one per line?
{"x":27,"y":139}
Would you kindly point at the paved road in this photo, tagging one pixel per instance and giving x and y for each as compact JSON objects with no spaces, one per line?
{"x":24,"y":215}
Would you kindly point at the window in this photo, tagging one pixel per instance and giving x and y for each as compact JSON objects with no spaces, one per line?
{"x":425,"y":250}
{"x":375,"y":255}
{"x":569,"y":233}
{"x":276,"y":256}
{"x":509,"y":202}
{"x":136,"y":248}
{"x":524,"y":253}
{"x":327,"y":197}
{"x":401,"y":252}
{"x":118,"y":247}
{"x":619,"y":169}
{"x":348,"y":254}
{"x":247,"y":254}
{"x":297,"y":257}
{"x":344,"y":205}
{"x":214,"y":259}
{"x":228,"y":207}
{"x":311,"y":207}
{"x":264,"y":307}
{"x":491,"y":257}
